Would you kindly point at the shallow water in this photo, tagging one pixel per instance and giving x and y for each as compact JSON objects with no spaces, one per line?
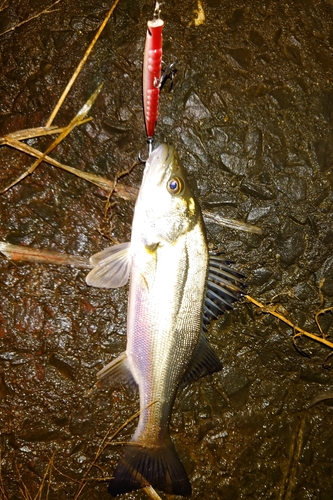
{"x":250,"y":113}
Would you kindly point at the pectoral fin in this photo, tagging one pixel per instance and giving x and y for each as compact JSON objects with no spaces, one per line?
{"x":111,"y":267}
{"x":204,"y":362}
{"x":116,"y":373}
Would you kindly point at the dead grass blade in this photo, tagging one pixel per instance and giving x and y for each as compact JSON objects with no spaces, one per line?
{"x":4,"y":5}
{"x":29,"y":133}
{"x":289,"y":480}
{"x":45,"y":11}
{"x":271,"y":310}
{"x":13,"y":139}
{"x":120,"y":190}
{"x":149,"y":490}
{"x":20,"y":253}
{"x":232,"y":223}
{"x":80,"y":66}
{"x":77,"y":120}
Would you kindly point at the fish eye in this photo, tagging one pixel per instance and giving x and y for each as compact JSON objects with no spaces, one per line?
{"x":175,"y":185}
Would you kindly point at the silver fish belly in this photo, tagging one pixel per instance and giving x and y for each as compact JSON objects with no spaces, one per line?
{"x":175,"y":289}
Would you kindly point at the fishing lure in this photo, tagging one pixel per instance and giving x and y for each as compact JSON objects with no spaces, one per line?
{"x":152,"y":67}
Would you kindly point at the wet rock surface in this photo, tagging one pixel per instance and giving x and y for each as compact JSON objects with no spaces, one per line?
{"x":250,"y":113}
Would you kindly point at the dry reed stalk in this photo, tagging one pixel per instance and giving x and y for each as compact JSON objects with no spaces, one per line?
{"x":45,"y":11}
{"x":80,"y":65}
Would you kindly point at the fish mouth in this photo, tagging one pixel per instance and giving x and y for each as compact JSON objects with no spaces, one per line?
{"x":159,"y":163}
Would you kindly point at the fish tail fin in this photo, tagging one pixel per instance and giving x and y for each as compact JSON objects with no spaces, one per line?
{"x":159,"y":467}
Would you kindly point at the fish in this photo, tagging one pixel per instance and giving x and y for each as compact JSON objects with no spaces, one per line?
{"x":176,"y":289}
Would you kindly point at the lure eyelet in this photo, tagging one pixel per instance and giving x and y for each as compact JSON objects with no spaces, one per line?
{"x":175,"y":185}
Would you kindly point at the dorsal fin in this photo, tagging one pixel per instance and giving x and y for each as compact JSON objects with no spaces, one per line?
{"x":224,"y":287}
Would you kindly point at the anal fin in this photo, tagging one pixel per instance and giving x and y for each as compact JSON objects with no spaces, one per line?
{"x":204,"y":362}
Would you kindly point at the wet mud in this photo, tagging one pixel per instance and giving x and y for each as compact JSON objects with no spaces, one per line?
{"x":251,"y":115}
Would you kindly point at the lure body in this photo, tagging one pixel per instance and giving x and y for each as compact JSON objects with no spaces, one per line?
{"x":152,"y":66}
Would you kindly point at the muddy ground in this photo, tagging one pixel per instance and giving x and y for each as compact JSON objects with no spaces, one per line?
{"x":251,"y":115}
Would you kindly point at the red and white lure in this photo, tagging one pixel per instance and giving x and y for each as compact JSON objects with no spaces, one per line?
{"x":152,"y":67}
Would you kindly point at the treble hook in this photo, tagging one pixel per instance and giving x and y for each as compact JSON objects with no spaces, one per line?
{"x":150,"y":148}
{"x":168,"y":73}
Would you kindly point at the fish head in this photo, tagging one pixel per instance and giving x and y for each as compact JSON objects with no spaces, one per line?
{"x":165,"y":208}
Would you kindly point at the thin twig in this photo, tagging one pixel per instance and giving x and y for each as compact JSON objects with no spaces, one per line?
{"x":48,"y":472}
{"x":66,"y":475}
{"x":81,"y":64}
{"x":301,"y":332}
{"x":116,"y":186}
{"x":2,"y":487}
{"x":105,"y":442}
{"x":288,"y":483}
{"x":45,"y":11}
{"x":50,"y":476}
{"x":22,"y":487}
{"x":107,"y":438}
{"x":322,"y":311}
